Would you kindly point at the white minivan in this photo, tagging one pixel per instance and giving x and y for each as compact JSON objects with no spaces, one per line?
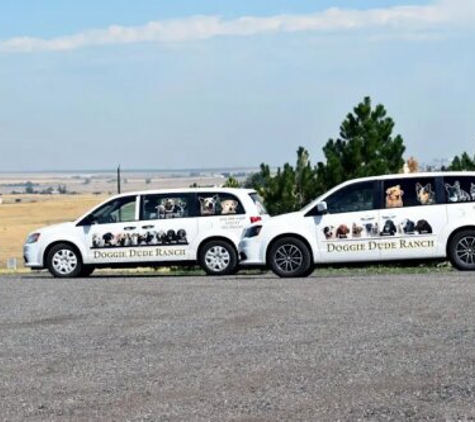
{"x":150,"y":228}
{"x":419,"y":216}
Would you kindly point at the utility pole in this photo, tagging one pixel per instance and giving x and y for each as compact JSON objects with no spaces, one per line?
{"x":118,"y":179}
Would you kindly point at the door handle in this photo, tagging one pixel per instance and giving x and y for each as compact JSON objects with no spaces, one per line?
{"x":130,"y":228}
{"x":148,"y":227}
{"x":367,"y":218}
{"x":389,"y":216}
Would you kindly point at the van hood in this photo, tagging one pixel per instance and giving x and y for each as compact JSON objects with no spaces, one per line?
{"x":284,"y":218}
{"x":56,"y":227}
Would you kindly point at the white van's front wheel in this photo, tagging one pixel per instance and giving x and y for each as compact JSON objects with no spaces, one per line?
{"x":218,"y":258}
{"x":461,"y":250}
{"x":64,"y":261}
{"x":290,"y":257}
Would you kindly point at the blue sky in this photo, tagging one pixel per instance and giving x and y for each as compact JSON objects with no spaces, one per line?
{"x":188,"y":84}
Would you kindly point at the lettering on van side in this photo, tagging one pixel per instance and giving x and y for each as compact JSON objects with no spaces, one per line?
{"x":140,"y":253}
{"x":382,"y":245}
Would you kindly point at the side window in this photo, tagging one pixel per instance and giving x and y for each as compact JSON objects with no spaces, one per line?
{"x":409,"y":192}
{"x":209,"y":204}
{"x":351,"y":198}
{"x":459,"y":188}
{"x":163,"y":206}
{"x":119,"y":210}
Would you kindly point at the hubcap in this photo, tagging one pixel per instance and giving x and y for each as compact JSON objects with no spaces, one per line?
{"x":217,"y":258}
{"x":65,"y":261}
{"x":465,"y":250}
{"x":288,"y":258}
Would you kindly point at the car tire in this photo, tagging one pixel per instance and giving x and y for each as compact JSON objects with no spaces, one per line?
{"x":461,"y":250}
{"x":218,"y":258}
{"x":64,"y":261}
{"x":290,"y":257}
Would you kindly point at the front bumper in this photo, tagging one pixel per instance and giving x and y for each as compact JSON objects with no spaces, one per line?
{"x":252,"y":252}
{"x":32,"y":255}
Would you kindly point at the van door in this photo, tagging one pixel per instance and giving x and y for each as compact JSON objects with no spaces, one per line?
{"x":413,"y":219}
{"x":108,"y":229}
{"x":349,"y":232}
{"x":168,"y":227}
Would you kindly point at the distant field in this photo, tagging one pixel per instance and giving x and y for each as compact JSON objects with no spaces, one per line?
{"x":104,"y":183}
{"x":17,"y":219}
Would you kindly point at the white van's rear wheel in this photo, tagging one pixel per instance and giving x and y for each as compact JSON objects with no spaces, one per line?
{"x":290,"y":257}
{"x":461,"y":250}
{"x":218,"y":258}
{"x":64,"y":261}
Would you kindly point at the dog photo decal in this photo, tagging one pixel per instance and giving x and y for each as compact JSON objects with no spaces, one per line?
{"x":394,"y":197}
{"x":425,"y":194}
{"x":171,"y":208}
{"x":215,"y":205}
{"x":149,"y":238}
{"x":456,"y":194}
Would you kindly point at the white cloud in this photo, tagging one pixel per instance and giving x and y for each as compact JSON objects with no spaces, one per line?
{"x":401,"y":20}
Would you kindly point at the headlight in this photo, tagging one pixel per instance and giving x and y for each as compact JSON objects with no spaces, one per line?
{"x":252,"y":231}
{"x":32,"y":238}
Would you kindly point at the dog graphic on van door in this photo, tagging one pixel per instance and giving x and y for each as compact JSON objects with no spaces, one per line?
{"x":394,"y":197}
{"x":425,"y":194}
{"x":455,"y":193}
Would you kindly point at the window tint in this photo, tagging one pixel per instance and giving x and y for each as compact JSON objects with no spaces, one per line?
{"x":118,"y":210}
{"x":209,"y":204}
{"x":163,"y":206}
{"x":355,"y":197}
{"x":459,"y":188}
{"x":409,"y":192}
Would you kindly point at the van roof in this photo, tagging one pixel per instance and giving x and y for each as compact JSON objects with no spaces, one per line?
{"x":188,"y":190}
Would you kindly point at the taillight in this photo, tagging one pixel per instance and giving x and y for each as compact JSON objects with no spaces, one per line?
{"x":255,"y":219}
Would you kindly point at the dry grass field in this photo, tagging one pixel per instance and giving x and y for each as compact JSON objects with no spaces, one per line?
{"x":17,"y":219}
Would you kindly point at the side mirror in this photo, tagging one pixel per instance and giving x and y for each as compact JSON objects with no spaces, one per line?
{"x":319,"y":209}
{"x":87,"y":221}
{"x":322,"y":208}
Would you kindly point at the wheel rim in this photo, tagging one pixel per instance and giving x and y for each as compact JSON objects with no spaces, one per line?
{"x":64,"y":261}
{"x":217,"y":258}
{"x":465,"y":250}
{"x":288,"y":258}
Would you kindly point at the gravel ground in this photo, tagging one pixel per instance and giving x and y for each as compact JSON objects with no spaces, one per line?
{"x":244,"y":348}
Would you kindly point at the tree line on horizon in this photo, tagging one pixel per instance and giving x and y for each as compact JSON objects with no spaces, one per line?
{"x":365,"y":147}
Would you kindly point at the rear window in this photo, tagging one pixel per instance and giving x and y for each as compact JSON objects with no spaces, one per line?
{"x":212,"y":203}
{"x":259,"y":203}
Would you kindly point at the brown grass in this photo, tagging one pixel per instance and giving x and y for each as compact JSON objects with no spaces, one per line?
{"x":35,"y":211}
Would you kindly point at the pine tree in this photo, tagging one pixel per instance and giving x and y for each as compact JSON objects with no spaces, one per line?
{"x":365,"y":147}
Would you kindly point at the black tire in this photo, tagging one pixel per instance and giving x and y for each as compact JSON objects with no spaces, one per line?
{"x":290,"y":257}
{"x":64,"y":261}
{"x":218,"y":257}
{"x":461,"y":250}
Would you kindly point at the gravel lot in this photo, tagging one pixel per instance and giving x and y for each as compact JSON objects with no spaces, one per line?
{"x":245,"y":348}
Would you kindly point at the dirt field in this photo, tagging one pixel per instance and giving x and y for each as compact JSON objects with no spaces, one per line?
{"x":17,"y":219}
